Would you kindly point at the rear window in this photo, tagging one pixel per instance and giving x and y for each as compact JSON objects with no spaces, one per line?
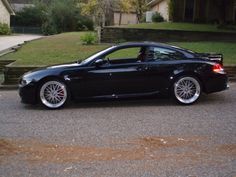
{"x":158,"y":53}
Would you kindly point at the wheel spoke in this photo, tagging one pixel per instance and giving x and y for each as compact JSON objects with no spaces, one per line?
{"x":53,"y":94}
{"x":187,"y":90}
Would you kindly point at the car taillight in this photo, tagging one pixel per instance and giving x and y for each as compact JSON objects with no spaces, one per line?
{"x":217,"y":68}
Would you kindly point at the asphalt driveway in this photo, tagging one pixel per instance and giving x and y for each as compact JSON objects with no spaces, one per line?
{"x":141,"y":138}
{"x":7,"y":42}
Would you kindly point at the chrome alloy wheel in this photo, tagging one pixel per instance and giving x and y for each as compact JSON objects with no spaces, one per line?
{"x":53,"y":94}
{"x":187,"y":90}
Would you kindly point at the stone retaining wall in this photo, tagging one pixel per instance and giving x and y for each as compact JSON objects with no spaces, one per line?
{"x":12,"y":74}
{"x":3,"y":63}
{"x":231,"y":71}
{"x":116,"y":35}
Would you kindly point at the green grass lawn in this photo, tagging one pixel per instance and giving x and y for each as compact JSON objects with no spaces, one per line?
{"x":125,"y":53}
{"x":226,"y":48}
{"x":178,"y":26}
{"x":55,"y":49}
{"x":67,"y":47}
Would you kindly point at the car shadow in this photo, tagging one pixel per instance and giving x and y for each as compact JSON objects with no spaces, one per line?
{"x":137,"y":102}
{"x":106,"y":103}
{"x":159,"y":101}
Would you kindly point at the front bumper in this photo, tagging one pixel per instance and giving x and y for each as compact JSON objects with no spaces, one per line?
{"x":28,"y":93}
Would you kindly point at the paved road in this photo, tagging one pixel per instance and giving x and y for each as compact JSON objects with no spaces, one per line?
{"x":119,"y":138}
{"x":10,"y":41}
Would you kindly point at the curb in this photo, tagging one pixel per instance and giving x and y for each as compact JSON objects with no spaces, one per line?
{"x":10,"y":50}
{"x":8,"y":87}
{"x":16,"y":47}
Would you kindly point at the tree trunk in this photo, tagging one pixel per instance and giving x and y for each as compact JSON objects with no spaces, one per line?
{"x":120,"y":18}
{"x":222,"y":11}
{"x":103,"y":20}
{"x":140,"y":12}
{"x":207,"y":10}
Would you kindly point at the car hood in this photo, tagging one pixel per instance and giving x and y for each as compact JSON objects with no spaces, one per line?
{"x":57,"y":67}
{"x":64,"y":66}
{"x":49,"y":69}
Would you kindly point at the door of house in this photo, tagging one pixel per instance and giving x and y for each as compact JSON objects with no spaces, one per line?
{"x":189,"y":10}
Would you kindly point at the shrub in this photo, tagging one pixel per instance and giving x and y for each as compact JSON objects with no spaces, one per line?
{"x":48,"y":28}
{"x":88,"y":38}
{"x":4,"y":29}
{"x":157,"y":17}
{"x":84,"y":23}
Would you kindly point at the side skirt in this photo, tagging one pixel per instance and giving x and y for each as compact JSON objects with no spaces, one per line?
{"x":132,"y":95}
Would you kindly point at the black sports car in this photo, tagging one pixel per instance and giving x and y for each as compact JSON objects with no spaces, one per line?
{"x":127,"y":70}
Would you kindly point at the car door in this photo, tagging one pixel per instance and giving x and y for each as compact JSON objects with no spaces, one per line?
{"x":128,"y":73}
{"x":158,"y":75}
{"x":91,"y":81}
{"x":128,"y":78}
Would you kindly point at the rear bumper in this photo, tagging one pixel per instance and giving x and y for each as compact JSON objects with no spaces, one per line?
{"x":216,"y":83}
{"x":28,"y":94}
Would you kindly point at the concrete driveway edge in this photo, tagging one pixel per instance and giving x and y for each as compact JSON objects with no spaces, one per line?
{"x":8,"y":87}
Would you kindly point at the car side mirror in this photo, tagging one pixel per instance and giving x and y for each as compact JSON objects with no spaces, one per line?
{"x":99,"y":62}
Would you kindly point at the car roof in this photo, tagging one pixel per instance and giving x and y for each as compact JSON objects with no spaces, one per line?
{"x":156,"y":44}
{"x":186,"y":52}
{"x":149,"y":43}
{"x":146,"y":43}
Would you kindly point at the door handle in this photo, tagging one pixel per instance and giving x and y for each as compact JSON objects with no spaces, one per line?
{"x":143,"y":68}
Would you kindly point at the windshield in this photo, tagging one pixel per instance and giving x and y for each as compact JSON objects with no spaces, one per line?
{"x":91,"y":58}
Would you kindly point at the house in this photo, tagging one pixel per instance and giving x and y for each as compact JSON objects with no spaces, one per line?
{"x":160,"y":6}
{"x":196,"y":10}
{"x":122,"y":18}
{"x":118,"y":17}
{"x":18,"y":5}
{"x":5,"y":12}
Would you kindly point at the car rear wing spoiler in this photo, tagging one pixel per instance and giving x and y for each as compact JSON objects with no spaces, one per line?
{"x":218,"y":58}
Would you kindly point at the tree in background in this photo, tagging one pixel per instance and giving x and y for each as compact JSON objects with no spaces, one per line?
{"x":54,"y":16}
{"x":140,"y":6}
{"x":222,"y":8}
{"x":102,"y":9}
{"x":61,"y":16}
{"x":171,"y":9}
{"x":28,"y":16}
{"x":125,"y":6}
{"x":98,"y":9}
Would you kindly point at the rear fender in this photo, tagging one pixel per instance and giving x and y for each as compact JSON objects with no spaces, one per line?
{"x":186,"y":73}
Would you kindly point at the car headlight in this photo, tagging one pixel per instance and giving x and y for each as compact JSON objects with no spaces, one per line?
{"x":25,"y":81}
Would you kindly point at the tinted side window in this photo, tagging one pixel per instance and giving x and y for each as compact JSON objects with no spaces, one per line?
{"x":159,"y":53}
